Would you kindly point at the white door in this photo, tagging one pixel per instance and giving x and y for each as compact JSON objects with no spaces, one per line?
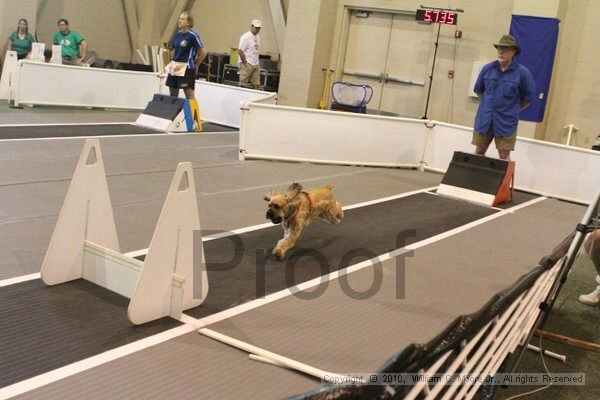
{"x":407,"y":68}
{"x":390,"y":53}
{"x":366,"y":49}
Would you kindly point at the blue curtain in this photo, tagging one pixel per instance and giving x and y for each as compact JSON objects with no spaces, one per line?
{"x":537,"y":38}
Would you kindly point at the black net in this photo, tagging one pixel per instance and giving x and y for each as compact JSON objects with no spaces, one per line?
{"x":349,"y":94}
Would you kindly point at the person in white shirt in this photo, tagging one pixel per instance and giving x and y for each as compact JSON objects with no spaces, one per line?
{"x":248,"y":63}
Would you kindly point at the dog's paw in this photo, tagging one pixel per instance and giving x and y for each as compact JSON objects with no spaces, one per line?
{"x":340,"y":214}
{"x":278,"y":253}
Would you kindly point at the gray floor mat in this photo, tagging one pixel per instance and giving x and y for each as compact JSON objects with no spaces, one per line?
{"x":137,"y":201}
{"x":333,"y":332}
{"x":71,"y":147}
{"x":457,"y":275}
{"x":238,"y":275}
{"x":43,"y":199}
{"x":46,"y":327}
{"x":187,"y":367}
{"x":64,"y":131}
{"x":41,"y":170}
{"x":61,"y":115}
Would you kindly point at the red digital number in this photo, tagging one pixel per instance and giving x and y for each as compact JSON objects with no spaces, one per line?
{"x":427,"y":16}
{"x":443,"y":16}
{"x":451,"y":19}
{"x":437,"y":16}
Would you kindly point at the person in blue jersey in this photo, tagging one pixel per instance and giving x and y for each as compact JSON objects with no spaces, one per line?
{"x":504,"y":87}
{"x":188,"y":53}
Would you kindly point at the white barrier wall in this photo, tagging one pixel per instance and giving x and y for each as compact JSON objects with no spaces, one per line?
{"x":301,"y":134}
{"x":548,"y":168}
{"x":570,"y":173}
{"x":287,"y":133}
{"x":444,"y":137}
{"x":63,"y":85}
{"x":221,"y":103}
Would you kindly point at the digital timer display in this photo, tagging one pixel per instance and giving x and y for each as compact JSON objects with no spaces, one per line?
{"x":437,"y":16}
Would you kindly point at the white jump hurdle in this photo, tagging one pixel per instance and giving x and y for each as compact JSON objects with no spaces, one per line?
{"x":85,"y":244}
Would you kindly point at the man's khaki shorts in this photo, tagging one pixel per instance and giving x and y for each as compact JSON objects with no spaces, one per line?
{"x":249,"y":73}
{"x":70,"y":61}
{"x":502,"y":143}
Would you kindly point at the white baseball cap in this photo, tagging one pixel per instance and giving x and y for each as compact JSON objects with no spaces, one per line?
{"x":256,"y":23}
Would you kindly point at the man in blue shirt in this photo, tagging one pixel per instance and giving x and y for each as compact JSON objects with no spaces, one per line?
{"x":504,"y":87}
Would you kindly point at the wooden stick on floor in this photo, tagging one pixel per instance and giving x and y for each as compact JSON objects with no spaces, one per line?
{"x":555,"y":337}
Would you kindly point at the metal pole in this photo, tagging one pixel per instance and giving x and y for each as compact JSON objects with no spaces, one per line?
{"x":437,"y":41}
{"x":570,"y":133}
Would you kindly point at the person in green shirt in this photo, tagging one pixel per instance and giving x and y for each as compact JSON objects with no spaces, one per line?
{"x":21,"y":40}
{"x":73,"y":44}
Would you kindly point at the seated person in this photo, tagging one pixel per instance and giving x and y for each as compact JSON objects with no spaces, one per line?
{"x":72,"y":43}
{"x":21,"y":40}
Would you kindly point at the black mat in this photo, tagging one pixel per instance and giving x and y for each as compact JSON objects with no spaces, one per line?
{"x":46,"y":327}
{"x":373,"y":228}
{"x":43,"y":328}
{"x":474,"y":172}
{"x":210,"y":127}
{"x":50,"y":131}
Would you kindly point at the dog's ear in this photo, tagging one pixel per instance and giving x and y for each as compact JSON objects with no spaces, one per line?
{"x":270,"y":195}
{"x":294,"y":190}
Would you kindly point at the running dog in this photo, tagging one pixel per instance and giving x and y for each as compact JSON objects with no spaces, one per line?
{"x":296,"y":209}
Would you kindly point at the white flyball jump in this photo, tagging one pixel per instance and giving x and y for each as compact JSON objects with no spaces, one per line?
{"x":85,"y":244}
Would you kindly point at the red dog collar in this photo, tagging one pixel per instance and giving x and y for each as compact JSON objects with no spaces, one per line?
{"x":310,"y":206}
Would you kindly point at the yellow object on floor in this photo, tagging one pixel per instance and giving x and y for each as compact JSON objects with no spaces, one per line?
{"x":195,"y":111}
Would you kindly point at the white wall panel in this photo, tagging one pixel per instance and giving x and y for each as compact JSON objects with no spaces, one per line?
{"x":325,"y":136}
{"x":288,"y":133}
{"x":547,"y":168}
{"x":63,"y":85}
{"x":221,"y":103}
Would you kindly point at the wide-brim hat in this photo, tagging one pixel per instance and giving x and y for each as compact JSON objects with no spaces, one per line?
{"x":508,"y":41}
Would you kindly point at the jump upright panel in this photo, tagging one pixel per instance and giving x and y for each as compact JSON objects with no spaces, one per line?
{"x":86,"y":214}
{"x":85,"y":244}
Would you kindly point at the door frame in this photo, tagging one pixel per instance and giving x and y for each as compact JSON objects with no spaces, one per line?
{"x":345,"y":31}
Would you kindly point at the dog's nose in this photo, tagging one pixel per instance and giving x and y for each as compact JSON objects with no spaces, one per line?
{"x":272,"y":218}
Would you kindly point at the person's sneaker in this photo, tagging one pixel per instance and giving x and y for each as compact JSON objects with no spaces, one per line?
{"x":591,"y":299}
{"x":596,"y":145}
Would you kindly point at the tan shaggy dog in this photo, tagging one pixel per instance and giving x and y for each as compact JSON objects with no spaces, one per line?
{"x":296,"y":209}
